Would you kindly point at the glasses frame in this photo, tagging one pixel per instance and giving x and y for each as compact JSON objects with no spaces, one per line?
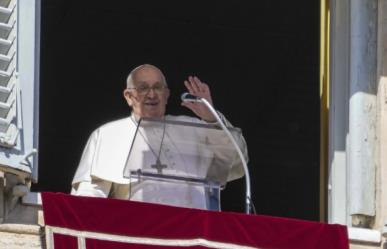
{"x":156,"y":89}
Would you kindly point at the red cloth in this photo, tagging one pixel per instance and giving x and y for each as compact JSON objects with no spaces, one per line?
{"x":146,"y":220}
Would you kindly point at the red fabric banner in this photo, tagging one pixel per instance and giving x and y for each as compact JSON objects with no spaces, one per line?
{"x":152,"y":225}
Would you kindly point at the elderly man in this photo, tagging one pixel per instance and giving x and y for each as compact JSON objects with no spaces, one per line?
{"x":100,"y":172}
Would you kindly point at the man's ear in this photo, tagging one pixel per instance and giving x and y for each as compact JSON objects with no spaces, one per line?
{"x":128,"y":97}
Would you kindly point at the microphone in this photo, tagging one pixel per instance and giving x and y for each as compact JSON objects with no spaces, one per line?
{"x":187,"y":97}
{"x":192,"y":98}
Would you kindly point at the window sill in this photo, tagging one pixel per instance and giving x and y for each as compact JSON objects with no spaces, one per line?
{"x":364,"y":235}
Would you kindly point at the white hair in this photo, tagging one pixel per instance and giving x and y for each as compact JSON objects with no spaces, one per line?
{"x":129,"y":79}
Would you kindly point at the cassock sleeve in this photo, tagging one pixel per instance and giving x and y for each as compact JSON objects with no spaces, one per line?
{"x":222,"y":156}
{"x":83,"y":172}
{"x":237,"y":170}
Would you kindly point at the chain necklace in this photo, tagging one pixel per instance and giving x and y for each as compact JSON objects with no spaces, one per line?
{"x":158,"y":165}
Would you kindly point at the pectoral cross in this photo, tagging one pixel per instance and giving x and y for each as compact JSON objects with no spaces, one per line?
{"x":159,"y":166}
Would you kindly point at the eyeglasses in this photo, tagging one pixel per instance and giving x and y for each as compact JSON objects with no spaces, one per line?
{"x":145,"y":89}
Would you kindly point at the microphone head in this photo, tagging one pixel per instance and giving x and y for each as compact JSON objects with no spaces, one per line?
{"x":190,"y":98}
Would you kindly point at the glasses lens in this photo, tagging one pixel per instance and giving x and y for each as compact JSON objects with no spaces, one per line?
{"x":158,"y":88}
{"x":144,"y":89}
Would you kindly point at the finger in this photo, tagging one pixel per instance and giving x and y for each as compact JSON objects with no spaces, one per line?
{"x":202,"y":86}
{"x":197,"y":81}
{"x":205,"y":87}
{"x":189,"y":87}
{"x":194,"y":84}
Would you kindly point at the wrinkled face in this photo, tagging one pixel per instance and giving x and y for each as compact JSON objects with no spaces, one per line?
{"x":149,"y":95}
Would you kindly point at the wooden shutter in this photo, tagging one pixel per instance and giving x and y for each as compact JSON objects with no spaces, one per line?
{"x":19,"y":86}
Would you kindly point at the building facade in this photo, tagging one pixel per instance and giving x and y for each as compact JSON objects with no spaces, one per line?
{"x":353,"y":78}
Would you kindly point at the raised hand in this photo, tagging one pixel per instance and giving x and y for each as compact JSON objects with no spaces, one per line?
{"x":200,"y":89}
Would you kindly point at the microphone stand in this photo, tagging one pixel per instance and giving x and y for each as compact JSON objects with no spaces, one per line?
{"x":219,"y":120}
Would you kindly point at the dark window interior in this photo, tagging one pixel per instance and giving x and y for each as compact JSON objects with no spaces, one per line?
{"x":260,"y":58}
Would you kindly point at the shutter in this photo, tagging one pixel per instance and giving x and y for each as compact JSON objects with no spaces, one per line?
{"x":8,"y":129}
{"x":19,"y":82}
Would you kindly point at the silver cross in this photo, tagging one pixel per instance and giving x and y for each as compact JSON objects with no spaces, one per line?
{"x":159,"y":166}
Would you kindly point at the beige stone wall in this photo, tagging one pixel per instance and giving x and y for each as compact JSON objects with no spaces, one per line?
{"x":382,"y":101}
{"x":17,"y":236}
{"x":381,"y":160}
{"x":21,"y":220}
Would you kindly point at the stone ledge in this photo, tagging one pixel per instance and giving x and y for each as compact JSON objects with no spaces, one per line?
{"x":21,"y":236}
{"x":21,"y":229}
{"x":364,"y":235}
{"x":20,"y":241}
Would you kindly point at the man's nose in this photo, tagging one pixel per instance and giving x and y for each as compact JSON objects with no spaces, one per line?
{"x":151,"y":92}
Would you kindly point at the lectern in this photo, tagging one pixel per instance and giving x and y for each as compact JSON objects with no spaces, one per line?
{"x":180,"y":163}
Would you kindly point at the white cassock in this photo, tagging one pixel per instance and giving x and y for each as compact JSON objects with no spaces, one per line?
{"x":100,"y":171}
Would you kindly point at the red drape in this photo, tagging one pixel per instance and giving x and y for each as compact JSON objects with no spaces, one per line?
{"x":144,"y":220}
